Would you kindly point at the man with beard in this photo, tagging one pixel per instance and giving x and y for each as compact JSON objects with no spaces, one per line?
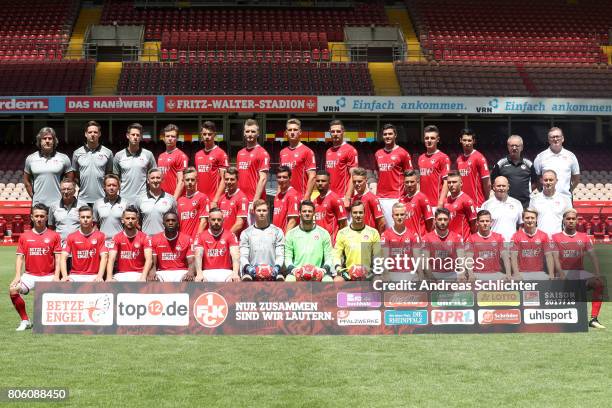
{"x":217,"y":254}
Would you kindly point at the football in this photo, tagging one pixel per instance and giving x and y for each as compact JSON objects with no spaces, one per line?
{"x":357,"y":272}
{"x":263,"y":273}
{"x":309,"y":273}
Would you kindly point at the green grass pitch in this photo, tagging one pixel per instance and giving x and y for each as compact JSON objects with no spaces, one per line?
{"x":525,"y":370}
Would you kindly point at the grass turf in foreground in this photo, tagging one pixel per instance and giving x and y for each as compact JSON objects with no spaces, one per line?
{"x":426,"y":370}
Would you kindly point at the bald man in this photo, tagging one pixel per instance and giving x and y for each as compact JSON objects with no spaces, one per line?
{"x":506,"y":212}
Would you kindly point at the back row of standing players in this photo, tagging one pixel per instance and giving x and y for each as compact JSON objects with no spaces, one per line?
{"x":156,"y":187}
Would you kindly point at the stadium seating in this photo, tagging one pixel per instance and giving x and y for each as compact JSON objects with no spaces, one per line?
{"x":38,"y":29}
{"x":513,"y":31}
{"x":66,"y":77}
{"x":157,"y":21}
{"x":233,"y":78}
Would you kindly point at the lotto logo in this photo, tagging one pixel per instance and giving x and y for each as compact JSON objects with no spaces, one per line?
{"x":210,"y":309}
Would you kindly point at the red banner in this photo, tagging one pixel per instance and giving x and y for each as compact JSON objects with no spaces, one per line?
{"x":24,"y":104}
{"x":197,"y":104}
{"x":111,"y":104}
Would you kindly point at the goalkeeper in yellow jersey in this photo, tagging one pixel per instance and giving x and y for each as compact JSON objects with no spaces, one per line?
{"x":356,"y":246}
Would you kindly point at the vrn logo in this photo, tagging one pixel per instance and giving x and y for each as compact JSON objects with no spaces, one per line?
{"x":331,"y":108}
{"x":493,"y":104}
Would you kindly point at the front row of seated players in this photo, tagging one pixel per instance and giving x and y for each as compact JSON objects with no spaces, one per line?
{"x":306,"y":254}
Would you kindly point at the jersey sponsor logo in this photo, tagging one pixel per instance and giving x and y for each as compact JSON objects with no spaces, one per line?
{"x":426,"y":172}
{"x":243,"y":165}
{"x":86,"y":253}
{"x":188,"y":215}
{"x":204,"y":168}
{"x":210,"y":309}
{"x":385,"y":166}
{"x":82,"y":309}
{"x":464,"y":172}
{"x":129,"y":254}
{"x":169,"y":309}
{"x":38,"y":251}
{"x":169,"y":256}
{"x":213,"y":252}
{"x":460,"y":316}
{"x":331,"y":164}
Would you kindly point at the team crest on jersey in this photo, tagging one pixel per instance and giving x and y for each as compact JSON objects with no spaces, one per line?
{"x":178,"y":248}
{"x":537,"y":241}
{"x":393,"y":157}
{"x":366,"y":237}
{"x":222,"y":242}
{"x":194,"y":202}
{"x":47,"y":240}
{"x":433,"y":161}
{"x":94,"y":241}
{"x":315,"y":237}
{"x":136,"y":245}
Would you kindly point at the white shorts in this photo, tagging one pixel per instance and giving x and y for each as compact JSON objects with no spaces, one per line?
{"x":386,"y":204}
{"x":490,"y":276}
{"x":578,"y":275}
{"x":127,"y":276}
{"x":535,"y":276}
{"x":82,"y":277}
{"x":171,"y":276}
{"x":400,"y":276}
{"x":217,"y":275}
{"x":28,"y":282}
{"x":450,"y":276}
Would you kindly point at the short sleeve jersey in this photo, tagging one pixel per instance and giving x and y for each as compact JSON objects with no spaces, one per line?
{"x":418,"y":210}
{"x":300,"y":160}
{"x":234,"y":206}
{"x":433,"y":169}
{"x":170,"y":163}
{"x":329,"y":209}
{"x":531,"y":250}
{"x":473,"y":168}
{"x":39,"y":250}
{"x":572,"y":249}
{"x":216,"y":249}
{"x":564,"y":163}
{"x":250,"y":163}
{"x":46,"y":173}
{"x":108,"y":216}
{"x":209,"y":164}
{"x":372,"y":207}
{"x":132,"y":169}
{"x":92,"y":165}
{"x":171,"y":254}
{"x":86,"y":251}
{"x":191,"y":210}
{"x":285,"y":205}
{"x":462,"y":212}
{"x":487,"y":250}
{"x":395,"y":244}
{"x":338,"y":162}
{"x":442,"y":248}
{"x":391,"y":165}
{"x":130,"y":251}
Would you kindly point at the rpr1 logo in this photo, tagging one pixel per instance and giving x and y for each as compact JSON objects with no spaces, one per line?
{"x":139,"y":309}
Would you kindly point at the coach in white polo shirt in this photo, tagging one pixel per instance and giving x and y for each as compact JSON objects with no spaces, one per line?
{"x":506,"y":212}
{"x":154,"y":204}
{"x":551,"y":205}
{"x":562,"y":161}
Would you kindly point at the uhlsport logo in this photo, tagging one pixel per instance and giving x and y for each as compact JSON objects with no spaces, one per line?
{"x":147,"y":309}
{"x":210,"y":309}
{"x":550,"y":316}
{"x":77,"y":309}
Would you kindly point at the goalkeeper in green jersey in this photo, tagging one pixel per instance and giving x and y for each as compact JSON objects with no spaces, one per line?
{"x":308,"y":244}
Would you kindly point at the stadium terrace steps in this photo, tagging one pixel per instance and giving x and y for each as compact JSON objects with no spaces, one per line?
{"x":107,"y":77}
{"x":88,"y":16}
{"x":384,"y":78}
{"x":401,"y":17}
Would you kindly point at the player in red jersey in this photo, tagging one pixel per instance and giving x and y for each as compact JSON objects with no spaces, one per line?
{"x":211,"y":163}
{"x":374,"y":216}
{"x":193,"y":206}
{"x":391,"y":162}
{"x":172,"y":253}
{"x":399,"y":243}
{"x":434,"y":167}
{"x":300,"y":159}
{"x":487,"y":249}
{"x":443,"y":250}
{"x":132,"y":250}
{"x":39,"y":249}
{"x":329,"y":209}
{"x":472,"y":166}
{"x":570,"y":246}
{"x":286,"y":201}
{"x":172,"y":163}
{"x":419,"y":215}
{"x":253,"y":162}
{"x":461,"y":207}
{"x":340,"y":159}
{"x":530,"y":247}
{"x":217,"y":252}
{"x":234,"y":204}
{"x":87,"y":248}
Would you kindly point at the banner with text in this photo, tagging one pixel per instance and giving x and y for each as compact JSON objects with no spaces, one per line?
{"x":271,"y":104}
{"x":306,"y":308}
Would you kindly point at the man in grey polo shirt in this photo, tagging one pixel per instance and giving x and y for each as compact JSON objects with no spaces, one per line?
{"x":91,"y":162}
{"x":132,"y":164}
{"x":45,"y":168}
{"x":107,"y":211}
{"x":154,"y":204}
{"x":64,"y":214}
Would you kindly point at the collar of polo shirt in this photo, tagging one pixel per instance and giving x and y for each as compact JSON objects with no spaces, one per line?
{"x":128,"y":153}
